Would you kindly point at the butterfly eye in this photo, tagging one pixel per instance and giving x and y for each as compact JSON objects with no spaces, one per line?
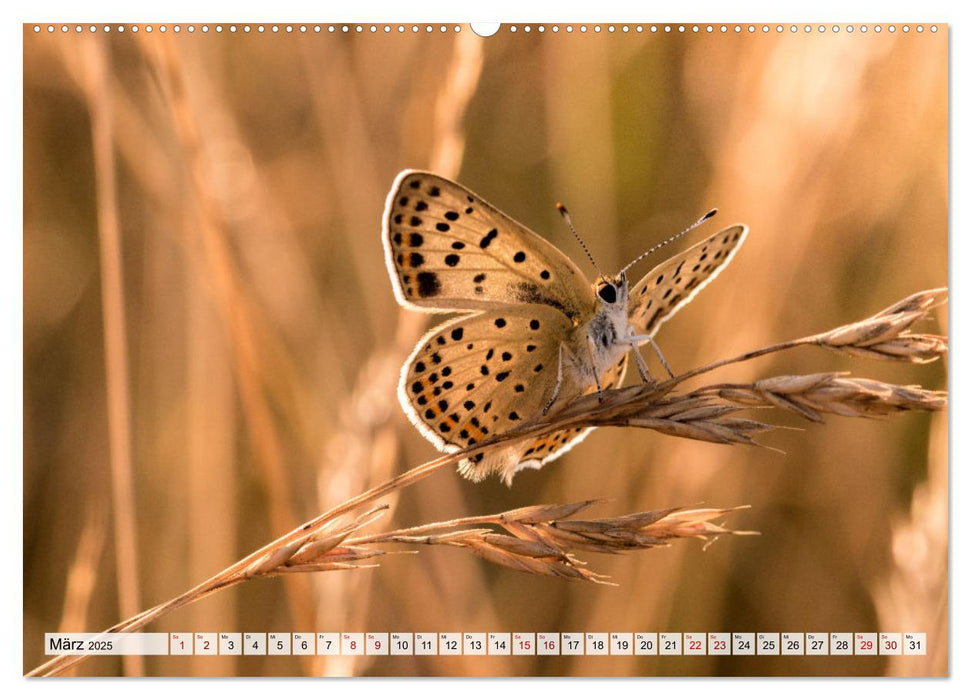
{"x":608,"y":293}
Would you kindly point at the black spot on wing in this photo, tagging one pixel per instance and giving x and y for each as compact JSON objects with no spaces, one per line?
{"x":650,"y":323}
{"x":428,"y":284}
{"x":529,"y":293}
{"x":488,"y":238}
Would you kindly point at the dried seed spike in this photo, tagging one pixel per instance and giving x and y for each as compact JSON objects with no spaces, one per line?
{"x":351,"y":553}
{"x":919,"y":301}
{"x":329,"y":535}
{"x":499,"y":556}
{"x":703,"y":413}
{"x":526,"y":548}
{"x":645,"y":518}
{"x":795,"y":384}
{"x":886,"y":335}
{"x":539,"y":513}
{"x":459,"y":537}
{"x":274,"y":559}
{"x":316,"y":548}
{"x":327,"y":566}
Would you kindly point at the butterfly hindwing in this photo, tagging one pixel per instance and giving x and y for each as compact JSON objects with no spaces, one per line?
{"x":448,"y":249}
{"x":673,"y":283}
{"x":484,"y":374}
{"x":535,"y":453}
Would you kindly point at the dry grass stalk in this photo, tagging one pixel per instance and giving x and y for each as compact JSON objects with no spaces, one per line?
{"x":96,"y":60}
{"x":231,"y":296}
{"x":704,"y":414}
{"x":82,"y":575}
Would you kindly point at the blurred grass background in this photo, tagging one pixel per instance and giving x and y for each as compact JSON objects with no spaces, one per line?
{"x":240,"y":378}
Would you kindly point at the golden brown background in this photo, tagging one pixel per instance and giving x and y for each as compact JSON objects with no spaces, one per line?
{"x":202,"y":252}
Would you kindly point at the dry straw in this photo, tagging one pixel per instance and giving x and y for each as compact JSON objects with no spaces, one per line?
{"x":542,"y":539}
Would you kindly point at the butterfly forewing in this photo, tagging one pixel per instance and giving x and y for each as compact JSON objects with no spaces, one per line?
{"x":482,"y":375}
{"x":448,"y":249}
{"x":673,"y":283}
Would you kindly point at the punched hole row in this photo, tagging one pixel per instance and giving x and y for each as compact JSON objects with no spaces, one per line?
{"x":485,"y":31}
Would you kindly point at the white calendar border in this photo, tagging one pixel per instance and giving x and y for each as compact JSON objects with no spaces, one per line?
{"x":828,"y":10}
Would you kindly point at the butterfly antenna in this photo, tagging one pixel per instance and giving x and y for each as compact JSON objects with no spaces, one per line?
{"x":569,"y":222}
{"x":673,"y":238}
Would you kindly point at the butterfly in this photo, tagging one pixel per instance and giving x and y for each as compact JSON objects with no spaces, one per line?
{"x":533,"y":331}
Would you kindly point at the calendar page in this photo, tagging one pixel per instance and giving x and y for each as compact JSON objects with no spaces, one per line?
{"x":365,"y":349}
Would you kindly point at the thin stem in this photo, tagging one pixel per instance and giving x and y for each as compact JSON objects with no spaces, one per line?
{"x":744,"y":357}
{"x":115,"y":337}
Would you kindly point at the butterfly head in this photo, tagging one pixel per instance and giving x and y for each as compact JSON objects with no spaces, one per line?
{"x":611,"y":290}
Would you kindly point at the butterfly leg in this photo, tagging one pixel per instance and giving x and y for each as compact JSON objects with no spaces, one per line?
{"x":642,"y":366}
{"x":634,"y":339}
{"x":593,"y":366}
{"x":661,"y":358}
{"x":559,"y":383}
